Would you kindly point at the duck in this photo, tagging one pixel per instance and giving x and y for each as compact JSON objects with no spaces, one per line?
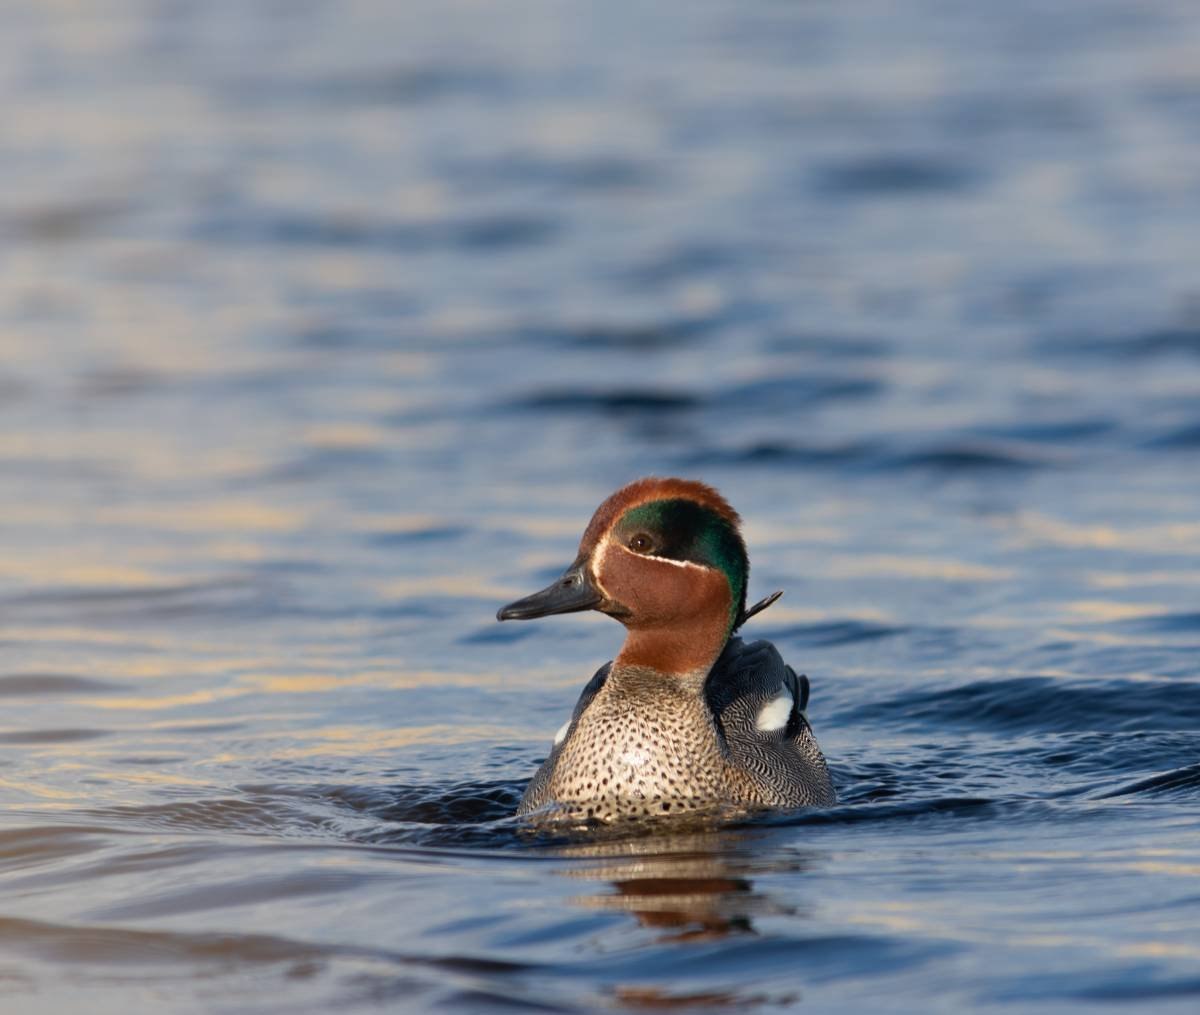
{"x":688,"y":718}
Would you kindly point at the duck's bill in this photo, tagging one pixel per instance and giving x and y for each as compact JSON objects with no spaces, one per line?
{"x":573,"y":592}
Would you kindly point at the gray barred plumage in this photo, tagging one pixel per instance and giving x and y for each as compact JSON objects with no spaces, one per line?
{"x":641,"y":743}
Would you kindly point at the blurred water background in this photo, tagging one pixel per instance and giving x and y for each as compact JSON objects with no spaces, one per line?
{"x":324,"y":328}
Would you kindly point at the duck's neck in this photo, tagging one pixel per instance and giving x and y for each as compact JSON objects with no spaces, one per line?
{"x":682,"y":650}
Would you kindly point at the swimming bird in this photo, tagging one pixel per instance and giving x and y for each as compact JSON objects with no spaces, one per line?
{"x":688,"y":717}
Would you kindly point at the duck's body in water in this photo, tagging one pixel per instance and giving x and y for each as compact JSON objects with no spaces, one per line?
{"x":687,"y":717}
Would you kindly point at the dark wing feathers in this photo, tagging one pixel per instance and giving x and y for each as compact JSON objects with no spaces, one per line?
{"x":591,"y":690}
{"x":801,"y":689}
{"x":743,"y":680}
{"x":798,"y":687}
{"x":785,"y":765}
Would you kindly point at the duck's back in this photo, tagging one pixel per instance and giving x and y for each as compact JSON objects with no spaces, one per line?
{"x":758,"y":702}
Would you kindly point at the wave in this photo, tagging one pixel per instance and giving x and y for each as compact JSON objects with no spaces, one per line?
{"x":35,"y":685}
{"x":1041,"y":703}
{"x":878,"y":456}
{"x":1179,"y":783}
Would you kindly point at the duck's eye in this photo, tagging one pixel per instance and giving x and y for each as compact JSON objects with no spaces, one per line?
{"x":641,"y":543}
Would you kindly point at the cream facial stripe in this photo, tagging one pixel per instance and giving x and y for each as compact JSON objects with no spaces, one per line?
{"x":606,"y":543}
{"x":665,"y":560}
{"x":598,"y":556}
{"x":601,"y":552}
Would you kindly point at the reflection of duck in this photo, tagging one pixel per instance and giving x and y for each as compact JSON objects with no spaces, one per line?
{"x":687,"y":717}
{"x":691,"y":886}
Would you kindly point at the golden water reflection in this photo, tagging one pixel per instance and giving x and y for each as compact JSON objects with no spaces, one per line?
{"x":687,"y":886}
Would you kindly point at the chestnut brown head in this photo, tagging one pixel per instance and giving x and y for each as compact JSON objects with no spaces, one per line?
{"x":657,"y":554}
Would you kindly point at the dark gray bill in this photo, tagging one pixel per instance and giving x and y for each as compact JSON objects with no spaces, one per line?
{"x":571,"y":593}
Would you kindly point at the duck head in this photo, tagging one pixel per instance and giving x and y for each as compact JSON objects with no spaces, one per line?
{"x":666,"y":558}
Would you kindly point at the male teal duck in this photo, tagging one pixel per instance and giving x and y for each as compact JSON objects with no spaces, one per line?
{"x":688,"y":717}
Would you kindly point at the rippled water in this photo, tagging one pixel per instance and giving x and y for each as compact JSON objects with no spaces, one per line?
{"x":324,"y":329}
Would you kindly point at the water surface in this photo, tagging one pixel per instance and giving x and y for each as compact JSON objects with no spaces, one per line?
{"x":325,"y":328}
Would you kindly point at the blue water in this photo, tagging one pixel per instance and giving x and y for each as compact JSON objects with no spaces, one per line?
{"x":324,"y":329}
